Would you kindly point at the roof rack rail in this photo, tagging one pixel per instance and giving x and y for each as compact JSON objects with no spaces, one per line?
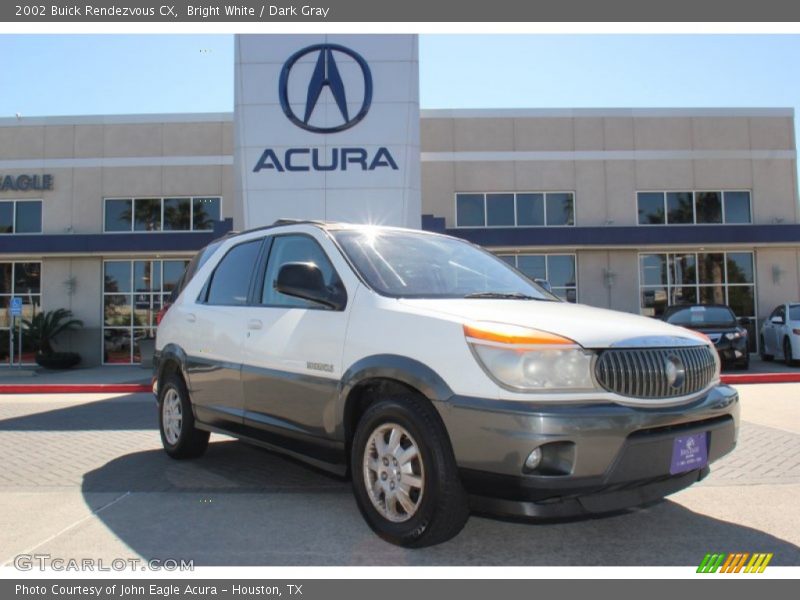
{"x":297,"y":221}
{"x":278,"y":223}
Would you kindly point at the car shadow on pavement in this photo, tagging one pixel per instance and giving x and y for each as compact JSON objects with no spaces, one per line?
{"x":118,"y":414}
{"x":241,"y":505}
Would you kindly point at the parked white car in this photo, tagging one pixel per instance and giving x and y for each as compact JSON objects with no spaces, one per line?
{"x":436,"y":376}
{"x":780,"y":334}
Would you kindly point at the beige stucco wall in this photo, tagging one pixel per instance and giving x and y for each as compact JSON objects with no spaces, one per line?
{"x":75,"y":204}
{"x":605,"y":188}
{"x":777,"y":278}
{"x":621,"y":292}
{"x":85,"y":302}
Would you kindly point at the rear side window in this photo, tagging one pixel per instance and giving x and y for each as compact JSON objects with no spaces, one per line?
{"x":230,"y":281}
{"x":198,"y":261}
{"x":794,"y":312}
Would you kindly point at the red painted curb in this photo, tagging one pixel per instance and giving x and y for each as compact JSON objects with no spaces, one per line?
{"x":75,"y":388}
{"x":761,"y":378}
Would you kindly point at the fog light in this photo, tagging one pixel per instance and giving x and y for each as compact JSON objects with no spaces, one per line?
{"x":534,"y":458}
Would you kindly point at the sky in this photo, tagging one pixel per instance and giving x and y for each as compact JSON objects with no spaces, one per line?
{"x":117,"y":74}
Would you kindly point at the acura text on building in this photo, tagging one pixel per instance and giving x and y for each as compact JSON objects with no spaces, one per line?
{"x":317,"y":159}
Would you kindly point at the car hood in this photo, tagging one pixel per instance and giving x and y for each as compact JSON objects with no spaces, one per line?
{"x":589,"y":326}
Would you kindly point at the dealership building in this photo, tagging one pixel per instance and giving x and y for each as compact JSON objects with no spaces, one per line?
{"x":630,"y":209}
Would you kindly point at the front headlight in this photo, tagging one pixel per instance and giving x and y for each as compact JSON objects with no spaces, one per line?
{"x":529,"y":360}
{"x":735,"y":335}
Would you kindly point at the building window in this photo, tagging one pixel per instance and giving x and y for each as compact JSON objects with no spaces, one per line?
{"x":737,"y":207}
{"x":530,"y":210}
{"x":470,"y":210}
{"x":162,"y":214}
{"x":557,"y":269}
{"x":699,"y":278}
{"x":21,"y":216}
{"x":23,"y":280}
{"x":699,"y":207}
{"x":133,"y":293}
{"x":680,"y":208}
{"x":500,"y":210}
{"x":147,"y":214}
{"x":524,"y":209}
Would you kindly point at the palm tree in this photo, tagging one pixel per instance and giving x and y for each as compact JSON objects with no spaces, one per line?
{"x":46,"y":326}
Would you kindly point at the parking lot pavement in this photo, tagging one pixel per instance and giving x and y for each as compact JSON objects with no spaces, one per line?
{"x":84,"y":476}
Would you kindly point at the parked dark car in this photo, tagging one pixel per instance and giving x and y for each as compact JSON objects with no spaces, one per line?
{"x":718,"y":322}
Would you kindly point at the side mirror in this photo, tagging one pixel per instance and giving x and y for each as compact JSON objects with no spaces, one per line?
{"x":544,"y":283}
{"x":304,"y":280}
{"x":777,"y":320}
{"x":744,"y":321}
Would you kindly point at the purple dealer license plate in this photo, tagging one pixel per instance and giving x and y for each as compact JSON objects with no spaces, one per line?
{"x":689,"y":452}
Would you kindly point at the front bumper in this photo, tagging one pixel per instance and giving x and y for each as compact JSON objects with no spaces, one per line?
{"x":620,"y":455}
{"x":156,"y":372}
{"x":732,"y":351}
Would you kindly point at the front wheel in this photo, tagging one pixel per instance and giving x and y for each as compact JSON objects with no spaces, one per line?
{"x":405,"y":478}
{"x":179,"y":436}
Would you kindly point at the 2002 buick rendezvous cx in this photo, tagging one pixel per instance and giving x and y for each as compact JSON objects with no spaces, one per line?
{"x":436,"y":376}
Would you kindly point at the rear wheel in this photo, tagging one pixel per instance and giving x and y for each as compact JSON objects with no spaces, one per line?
{"x":179,"y":436}
{"x":405,"y":478}
{"x":787,"y":352}
{"x":764,"y":356}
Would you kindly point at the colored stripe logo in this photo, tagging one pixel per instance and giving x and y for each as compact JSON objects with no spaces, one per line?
{"x":734,"y":562}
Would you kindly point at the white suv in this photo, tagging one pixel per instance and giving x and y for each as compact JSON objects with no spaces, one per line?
{"x":436,"y":376}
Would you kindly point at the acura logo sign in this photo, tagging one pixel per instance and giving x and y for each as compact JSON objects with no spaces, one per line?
{"x":326,"y":74}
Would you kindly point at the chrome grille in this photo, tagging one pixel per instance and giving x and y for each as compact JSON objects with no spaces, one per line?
{"x":656,"y":373}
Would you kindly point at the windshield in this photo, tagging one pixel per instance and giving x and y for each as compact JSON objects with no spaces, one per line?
{"x":718,"y":316}
{"x":406,"y":264}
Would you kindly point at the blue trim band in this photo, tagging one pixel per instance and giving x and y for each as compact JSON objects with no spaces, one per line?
{"x":67,"y":243}
{"x":635,"y":236}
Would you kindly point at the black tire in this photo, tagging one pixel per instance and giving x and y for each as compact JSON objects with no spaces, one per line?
{"x":743,"y":365}
{"x":764,"y":356}
{"x":787,"y":352}
{"x":191,"y":442}
{"x":443,"y":506}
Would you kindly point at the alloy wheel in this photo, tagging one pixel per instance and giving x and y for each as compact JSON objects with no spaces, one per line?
{"x":394,"y":474}
{"x":172,"y":416}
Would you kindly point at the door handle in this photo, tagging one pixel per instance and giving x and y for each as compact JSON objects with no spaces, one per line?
{"x":190,"y":317}
{"x":254,"y":324}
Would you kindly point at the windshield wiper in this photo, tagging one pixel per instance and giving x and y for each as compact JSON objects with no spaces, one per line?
{"x":504,"y":295}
